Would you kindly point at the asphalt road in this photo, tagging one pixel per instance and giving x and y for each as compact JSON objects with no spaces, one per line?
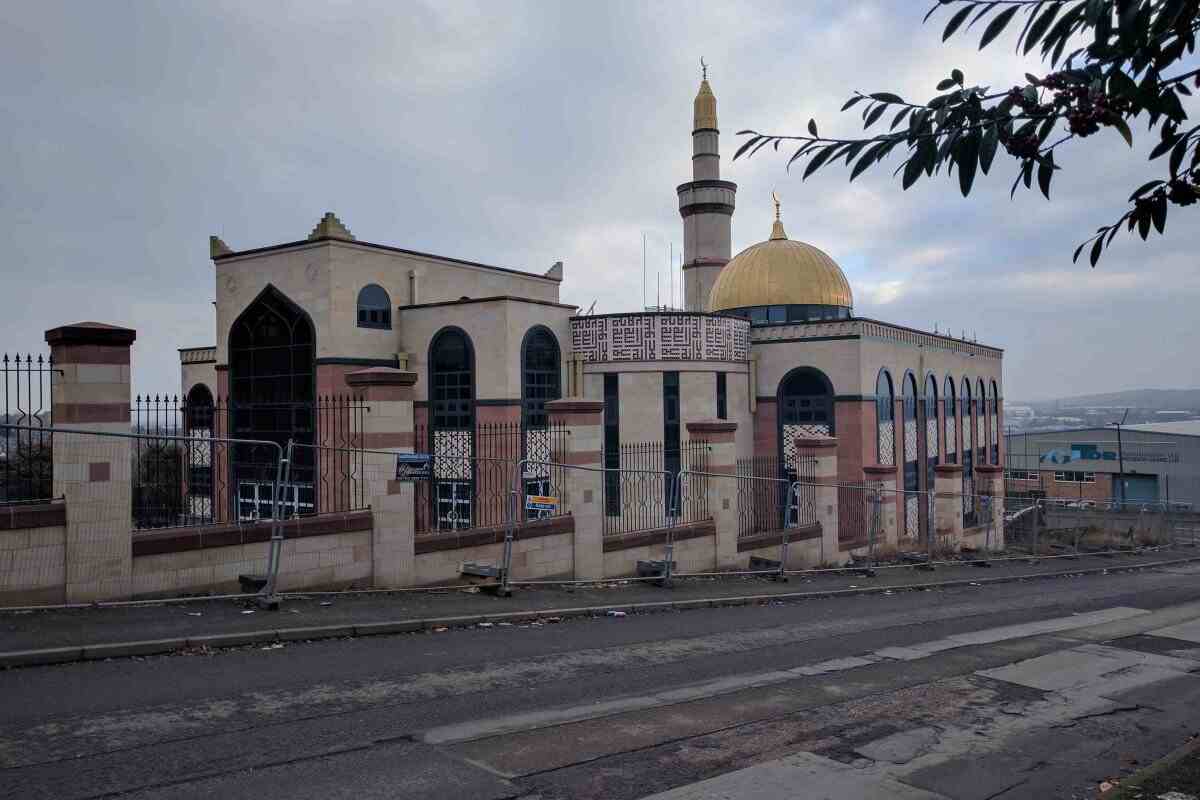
{"x":1031,"y":689}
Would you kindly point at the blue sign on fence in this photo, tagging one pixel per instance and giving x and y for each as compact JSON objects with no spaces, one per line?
{"x":412,"y":466}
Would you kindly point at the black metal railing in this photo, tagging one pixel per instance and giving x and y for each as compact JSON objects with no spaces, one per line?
{"x":473,"y":474}
{"x":26,"y":452}
{"x":181,"y":477}
{"x":641,"y":493}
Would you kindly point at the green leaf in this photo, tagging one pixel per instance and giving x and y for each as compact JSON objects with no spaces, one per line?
{"x":955,"y":22}
{"x":997,"y":26}
{"x":945,"y":83}
{"x":1159,"y":213}
{"x":1123,"y":129}
{"x":887,"y":97}
{"x":812,"y":128}
{"x":987,"y":148}
{"x":1143,"y":224}
{"x":956,"y":75}
{"x":746,"y":146}
{"x":1096,"y":248}
{"x":819,"y":159}
{"x":867,"y":159}
{"x":1038,"y":29}
{"x":968,"y":159}
{"x":1145,"y":187}
{"x":1121,"y":84}
{"x":1177,"y":155}
{"x":914,"y":166}
{"x":1046,"y":174}
{"x":851,"y":102}
{"x":875,"y":114}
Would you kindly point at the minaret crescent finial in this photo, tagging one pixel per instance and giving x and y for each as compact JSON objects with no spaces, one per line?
{"x":703,"y":69}
{"x":775,"y":197}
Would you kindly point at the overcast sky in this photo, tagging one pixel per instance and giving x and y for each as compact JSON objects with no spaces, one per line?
{"x":520,"y":134}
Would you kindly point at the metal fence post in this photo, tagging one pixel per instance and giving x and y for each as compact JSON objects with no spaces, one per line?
{"x":510,"y":525}
{"x":1037,"y":524}
{"x":283,"y":471}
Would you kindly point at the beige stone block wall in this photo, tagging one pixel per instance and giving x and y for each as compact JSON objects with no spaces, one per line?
{"x":540,"y":558}
{"x":641,"y":404}
{"x":800,"y":555}
{"x":309,"y":563}
{"x":691,"y":555}
{"x":193,"y":374}
{"x":32,"y":565}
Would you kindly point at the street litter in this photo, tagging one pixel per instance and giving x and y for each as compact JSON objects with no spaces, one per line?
{"x":248,"y":611}
{"x":485,"y":624}
{"x":194,"y":613}
{"x":440,"y":629}
{"x":276,"y":646}
{"x":616,"y":613}
{"x":327,"y":603}
{"x":505,"y":624}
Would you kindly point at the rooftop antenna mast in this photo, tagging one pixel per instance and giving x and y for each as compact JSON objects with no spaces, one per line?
{"x":671,"y":274}
{"x":643,"y":269}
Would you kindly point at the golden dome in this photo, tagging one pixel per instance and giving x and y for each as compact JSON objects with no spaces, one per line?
{"x":777,"y":272}
{"x":705,"y":109}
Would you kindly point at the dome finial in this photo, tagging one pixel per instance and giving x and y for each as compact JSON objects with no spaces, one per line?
{"x":703,"y":69}
{"x":777,"y":231}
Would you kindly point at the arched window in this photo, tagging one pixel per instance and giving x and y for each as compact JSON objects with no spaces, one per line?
{"x":911,"y":500}
{"x":951,"y":414}
{"x":932,"y":448}
{"x":805,"y":409}
{"x":968,"y":454}
{"x":981,"y":436}
{"x":199,"y":409}
{"x":374,"y":307}
{"x":452,"y":429}
{"x":541,"y":376}
{"x":451,"y":381}
{"x":271,"y":397}
{"x":995,"y":423}
{"x":885,"y":407}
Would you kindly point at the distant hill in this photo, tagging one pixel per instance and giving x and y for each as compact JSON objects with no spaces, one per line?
{"x":1146,"y":399}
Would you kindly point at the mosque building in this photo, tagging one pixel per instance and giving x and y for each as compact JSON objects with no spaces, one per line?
{"x":768,"y":339}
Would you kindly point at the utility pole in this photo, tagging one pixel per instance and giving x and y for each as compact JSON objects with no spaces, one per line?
{"x":1121,"y":457}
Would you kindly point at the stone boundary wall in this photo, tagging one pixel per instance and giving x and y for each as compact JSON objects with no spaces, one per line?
{"x":695,"y":549}
{"x":329,"y":551}
{"x":33,"y":554}
{"x":542,"y":550}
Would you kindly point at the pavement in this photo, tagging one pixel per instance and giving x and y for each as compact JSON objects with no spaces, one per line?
{"x":29,"y":637}
{"x":1029,"y":688}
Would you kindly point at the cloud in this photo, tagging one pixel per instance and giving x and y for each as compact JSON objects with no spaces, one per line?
{"x":528,"y":132}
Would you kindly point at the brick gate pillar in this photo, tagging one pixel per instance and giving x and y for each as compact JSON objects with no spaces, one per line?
{"x":947,"y":504}
{"x":883,"y":479}
{"x":582,"y":492}
{"x":93,"y":473}
{"x":722,"y":491}
{"x":990,"y":482}
{"x":827,"y":500}
{"x":387,"y":427}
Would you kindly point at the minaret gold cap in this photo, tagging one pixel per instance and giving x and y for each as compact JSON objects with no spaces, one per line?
{"x":705,"y":108}
{"x":777,"y":231}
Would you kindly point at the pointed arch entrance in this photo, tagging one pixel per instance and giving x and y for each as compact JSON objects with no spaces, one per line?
{"x":272,"y":375}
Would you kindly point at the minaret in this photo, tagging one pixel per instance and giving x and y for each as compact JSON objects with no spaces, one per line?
{"x":706,"y":205}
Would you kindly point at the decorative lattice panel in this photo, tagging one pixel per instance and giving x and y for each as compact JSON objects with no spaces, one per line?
{"x":912,"y":514}
{"x":951,"y":435}
{"x":910,"y":440}
{"x":931,"y":438}
{"x":980,"y":439}
{"x":887,"y":443}
{"x":452,"y":455}
{"x":537,"y":449}
{"x":791,"y":432}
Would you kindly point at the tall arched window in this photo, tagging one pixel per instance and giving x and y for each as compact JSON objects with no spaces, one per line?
{"x":951,"y":414}
{"x":995,"y":422}
{"x":541,"y":376}
{"x":805,"y":409}
{"x":932,"y":443}
{"x":271,"y":394}
{"x":912,"y":507}
{"x":968,"y":454}
{"x":981,"y":435}
{"x":452,"y":428}
{"x":198,"y":417}
{"x":885,"y":412}
{"x":374,"y":307}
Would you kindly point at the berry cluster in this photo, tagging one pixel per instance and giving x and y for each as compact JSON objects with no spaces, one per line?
{"x":1084,"y":109}
{"x":1023,"y":146}
{"x":1184,"y":193}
